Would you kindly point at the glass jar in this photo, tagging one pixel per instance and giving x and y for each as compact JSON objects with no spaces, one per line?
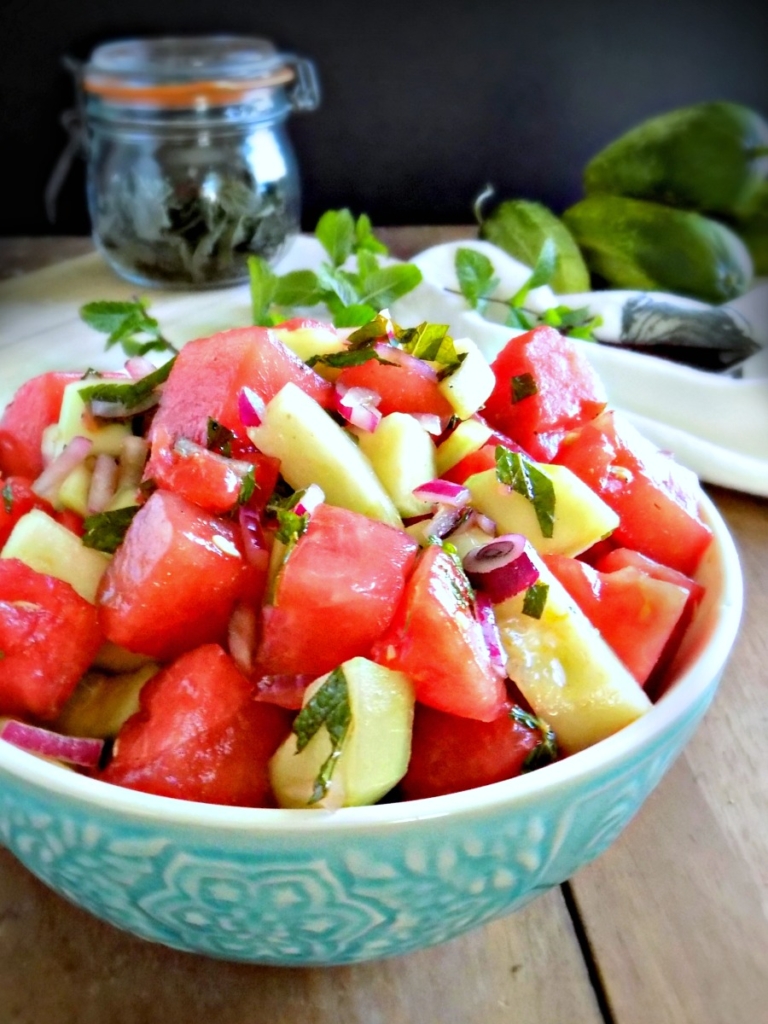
{"x":190,"y":168}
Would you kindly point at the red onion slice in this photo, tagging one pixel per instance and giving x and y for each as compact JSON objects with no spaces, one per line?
{"x":432,"y":423}
{"x":444,"y":492}
{"x":310,"y":499}
{"x":501,"y":568}
{"x":250,"y":407}
{"x":476,"y":520}
{"x":139,"y":366}
{"x":358,"y":407}
{"x":119,"y":410}
{"x":103,"y":484}
{"x":50,"y":480}
{"x":72,"y":749}
{"x":392,"y":354}
{"x":489,"y":626}
{"x":284,"y":690}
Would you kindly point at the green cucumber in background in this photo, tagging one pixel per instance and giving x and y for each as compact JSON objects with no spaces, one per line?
{"x":710,"y":157}
{"x":630,"y":243}
{"x":520,"y":227}
{"x":753,"y":230}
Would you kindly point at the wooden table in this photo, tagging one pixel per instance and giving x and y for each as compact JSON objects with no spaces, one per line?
{"x":670,"y":926}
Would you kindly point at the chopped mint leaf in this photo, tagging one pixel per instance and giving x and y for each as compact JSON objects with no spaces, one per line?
{"x":535,"y":599}
{"x":378,"y":328}
{"x":348,"y":358}
{"x":432,"y":343}
{"x":7,"y":494}
{"x":127,"y":324}
{"x":106,"y":530}
{"x":247,"y":487}
{"x":523,"y":386}
{"x":336,"y":233}
{"x":518,"y":472}
{"x":543,"y":272}
{"x":545,"y":752}
{"x":129,"y":395}
{"x":476,"y":278}
{"x":218,"y":438}
{"x":328,"y":706}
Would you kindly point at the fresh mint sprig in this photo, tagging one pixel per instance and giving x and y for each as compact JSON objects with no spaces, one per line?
{"x":353,"y":296}
{"x":127,"y":324}
{"x":478,"y":281}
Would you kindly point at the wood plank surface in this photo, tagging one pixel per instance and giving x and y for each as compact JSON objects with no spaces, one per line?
{"x":671,"y":923}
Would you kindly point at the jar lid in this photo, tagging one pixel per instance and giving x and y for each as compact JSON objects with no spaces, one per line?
{"x":194,"y":71}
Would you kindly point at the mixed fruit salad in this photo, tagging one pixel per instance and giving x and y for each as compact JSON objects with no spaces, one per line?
{"x":304,"y":566}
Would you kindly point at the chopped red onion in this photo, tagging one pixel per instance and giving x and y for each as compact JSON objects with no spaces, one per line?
{"x":490,"y":628}
{"x":133,"y":455}
{"x":358,"y":407}
{"x":284,"y":690}
{"x":139,"y":366}
{"x":432,"y":423}
{"x":393,"y":354}
{"x":72,"y":749}
{"x":310,"y":499}
{"x":103,"y":484}
{"x":476,"y":520}
{"x":501,"y":568}
{"x":53,"y":476}
{"x":444,"y":492}
{"x":443,"y":522}
{"x":242,"y":636}
{"x":251,"y":407}
{"x":119,"y":410}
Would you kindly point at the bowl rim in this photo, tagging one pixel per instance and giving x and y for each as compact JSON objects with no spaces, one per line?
{"x":696,"y":677}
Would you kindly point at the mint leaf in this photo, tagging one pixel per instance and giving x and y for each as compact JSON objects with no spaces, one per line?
{"x":297,"y":288}
{"x":380,"y":288}
{"x":378,"y":328}
{"x":338,"y":283}
{"x":365,"y":239}
{"x":355,"y":315}
{"x":7,"y":494}
{"x":127,"y":324}
{"x":545,"y":752}
{"x":354,"y":357}
{"x":543,"y":272}
{"x":521,"y":319}
{"x":432,"y":343}
{"x":535,"y":599}
{"x":263,"y":285}
{"x":518,"y":472}
{"x":129,"y":395}
{"x":336,"y":233}
{"x":476,"y":278}
{"x":247,"y":487}
{"x":106,"y":531}
{"x":329,"y":707}
{"x":523,"y":386}
{"x":218,"y":438}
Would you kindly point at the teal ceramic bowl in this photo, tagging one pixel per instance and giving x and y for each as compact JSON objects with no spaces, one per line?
{"x":311,"y":887}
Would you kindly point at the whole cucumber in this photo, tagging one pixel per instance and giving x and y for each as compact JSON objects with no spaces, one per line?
{"x":752,"y":228}
{"x":521,"y":227}
{"x":710,"y":157}
{"x":630,"y":243}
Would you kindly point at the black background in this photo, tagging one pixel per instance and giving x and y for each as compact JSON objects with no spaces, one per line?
{"x":423,"y":102}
